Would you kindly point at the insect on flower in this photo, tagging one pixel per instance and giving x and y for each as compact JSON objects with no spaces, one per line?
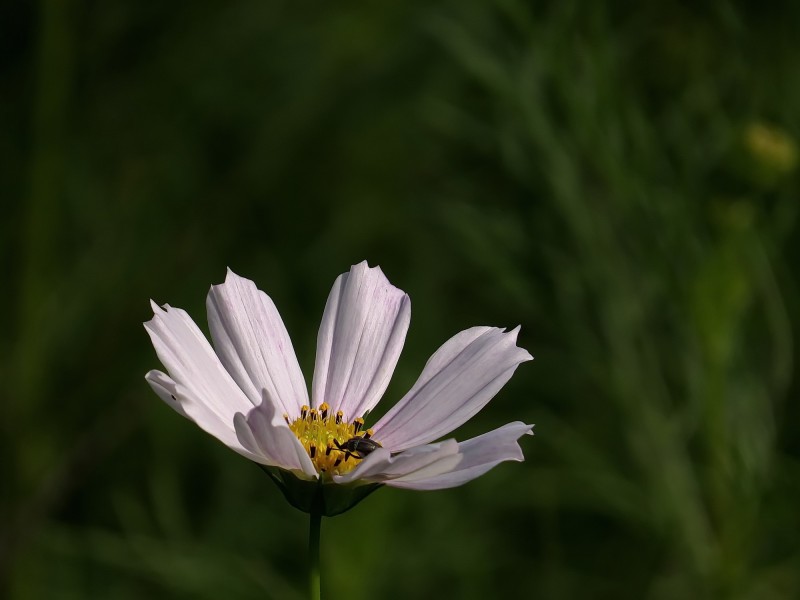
{"x":248,"y":390}
{"x":358,"y":446}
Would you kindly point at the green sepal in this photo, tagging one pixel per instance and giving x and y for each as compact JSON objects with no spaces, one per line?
{"x":330,"y":499}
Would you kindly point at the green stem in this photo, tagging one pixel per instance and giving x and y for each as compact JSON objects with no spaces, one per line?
{"x":313,"y":553}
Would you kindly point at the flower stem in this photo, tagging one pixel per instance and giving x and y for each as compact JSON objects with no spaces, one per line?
{"x":313,"y":553}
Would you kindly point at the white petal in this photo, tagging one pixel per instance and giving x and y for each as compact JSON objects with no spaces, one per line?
{"x":426,"y":461}
{"x":252,"y":343}
{"x":458,"y":380}
{"x":362,"y":333}
{"x":479,"y":455}
{"x":204,"y":391}
{"x":166,"y":389}
{"x":182,"y":400}
{"x":265,"y":433}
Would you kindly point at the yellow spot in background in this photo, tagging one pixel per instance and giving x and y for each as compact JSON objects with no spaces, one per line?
{"x":771,"y":147}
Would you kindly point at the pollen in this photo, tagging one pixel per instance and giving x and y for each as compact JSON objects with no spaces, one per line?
{"x":322,"y":432}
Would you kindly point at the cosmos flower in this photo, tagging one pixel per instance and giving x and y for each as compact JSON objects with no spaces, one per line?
{"x":248,"y":391}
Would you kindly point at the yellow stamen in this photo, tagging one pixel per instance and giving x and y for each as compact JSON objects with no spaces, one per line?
{"x":319,"y":431}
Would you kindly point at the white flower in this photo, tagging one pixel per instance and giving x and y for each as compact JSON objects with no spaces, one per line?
{"x":248,"y":391}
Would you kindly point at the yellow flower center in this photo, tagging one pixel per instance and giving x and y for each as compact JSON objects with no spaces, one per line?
{"x":325,"y":437}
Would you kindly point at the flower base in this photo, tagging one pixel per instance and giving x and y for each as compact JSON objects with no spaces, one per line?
{"x":328,"y":499}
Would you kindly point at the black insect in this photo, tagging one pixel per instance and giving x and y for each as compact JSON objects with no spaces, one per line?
{"x":357,"y":446}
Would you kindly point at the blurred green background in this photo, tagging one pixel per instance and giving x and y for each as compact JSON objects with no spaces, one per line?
{"x":619,"y":178}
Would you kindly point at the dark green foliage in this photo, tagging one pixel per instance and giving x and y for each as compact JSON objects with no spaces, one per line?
{"x":619,"y":178}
